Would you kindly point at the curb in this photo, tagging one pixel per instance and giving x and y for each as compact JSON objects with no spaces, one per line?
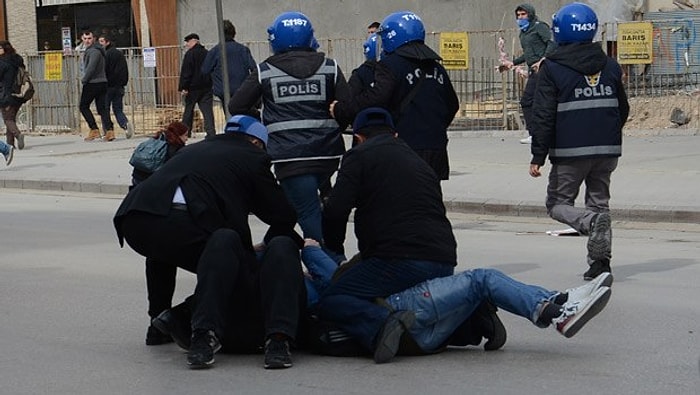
{"x":637,"y":213}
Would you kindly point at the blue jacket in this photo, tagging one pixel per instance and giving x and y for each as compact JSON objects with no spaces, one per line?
{"x":580,"y":105}
{"x":239,"y":62}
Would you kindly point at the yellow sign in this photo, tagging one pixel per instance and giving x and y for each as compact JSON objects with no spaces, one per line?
{"x":635,"y":42}
{"x":53,"y":66}
{"x":454,"y":50}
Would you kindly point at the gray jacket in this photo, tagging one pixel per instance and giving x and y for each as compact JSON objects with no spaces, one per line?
{"x":94,"y":65}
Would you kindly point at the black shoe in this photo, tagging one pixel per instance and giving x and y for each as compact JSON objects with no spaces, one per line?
{"x":277,"y":354}
{"x":491,"y":326}
{"x":389,"y":338}
{"x":596,"y":269}
{"x":600,"y":238}
{"x":176,"y":324}
{"x":154,"y":337}
{"x":204,"y":345}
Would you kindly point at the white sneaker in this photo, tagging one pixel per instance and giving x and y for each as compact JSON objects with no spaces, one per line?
{"x":576,"y":313}
{"x":526,"y":140}
{"x":603,"y":280}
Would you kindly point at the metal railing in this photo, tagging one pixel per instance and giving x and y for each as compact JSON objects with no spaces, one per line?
{"x":488,"y":99}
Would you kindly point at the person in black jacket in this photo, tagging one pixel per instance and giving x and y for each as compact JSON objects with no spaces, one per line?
{"x":193,"y":213}
{"x":296,"y":86}
{"x":117,"y":73}
{"x":410,"y":81}
{"x":10,"y":62}
{"x":580,"y":108}
{"x":403,"y":234}
{"x":195,"y":86}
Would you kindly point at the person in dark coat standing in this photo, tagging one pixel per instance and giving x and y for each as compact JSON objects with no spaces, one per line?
{"x":195,"y":86}
{"x":411,"y":83}
{"x":239,"y":62}
{"x":117,"y":73}
{"x":10,"y":62}
{"x":580,"y":109}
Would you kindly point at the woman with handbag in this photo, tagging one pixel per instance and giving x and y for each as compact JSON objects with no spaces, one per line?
{"x":10,"y":63}
{"x":175,"y":135}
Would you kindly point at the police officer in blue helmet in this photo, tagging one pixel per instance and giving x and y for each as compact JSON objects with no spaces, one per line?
{"x":296,"y":86}
{"x":363,"y":76}
{"x":410,"y":81}
{"x":580,"y":107}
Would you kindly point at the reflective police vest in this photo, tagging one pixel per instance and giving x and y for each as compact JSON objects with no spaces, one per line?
{"x":296,"y":113}
{"x":588,"y":116}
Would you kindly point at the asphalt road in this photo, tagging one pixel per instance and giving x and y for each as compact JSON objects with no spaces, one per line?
{"x":73,"y":320}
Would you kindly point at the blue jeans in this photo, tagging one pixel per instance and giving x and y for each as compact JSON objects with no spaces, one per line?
{"x":4,"y":148}
{"x":442,"y":304}
{"x":349,"y":302}
{"x":302,"y":193}
{"x":115,"y":99}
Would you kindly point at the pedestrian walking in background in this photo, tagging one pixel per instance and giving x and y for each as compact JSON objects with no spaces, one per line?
{"x":195,"y":86}
{"x":536,"y":41}
{"x":10,"y":62}
{"x":239,"y":62}
{"x":580,"y":108}
{"x":117,"y":73}
{"x":94,"y":88}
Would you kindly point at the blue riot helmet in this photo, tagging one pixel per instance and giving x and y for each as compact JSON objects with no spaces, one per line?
{"x":574,"y":23}
{"x":370,"y":47}
{"x":400,"y":28}
{"x":247,"y":125}
{"x":290,"y":30}
{"x":314,"y":44}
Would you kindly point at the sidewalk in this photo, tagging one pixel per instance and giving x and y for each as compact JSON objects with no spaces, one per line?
{"x":657,"y":180}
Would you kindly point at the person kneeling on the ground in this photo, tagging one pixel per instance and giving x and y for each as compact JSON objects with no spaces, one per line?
{"x":193,"y":213}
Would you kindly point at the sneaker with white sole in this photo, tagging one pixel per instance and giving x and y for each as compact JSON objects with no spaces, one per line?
{"x":576,"y":313}
{"x":603,"y":280}
{"x":526,"y":140}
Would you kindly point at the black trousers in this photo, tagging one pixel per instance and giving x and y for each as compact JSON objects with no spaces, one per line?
{"x":242,"y":298}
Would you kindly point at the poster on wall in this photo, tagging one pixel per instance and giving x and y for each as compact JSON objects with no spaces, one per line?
{"x":149,"y":57}
{"x":53,"y":66}
{"x":634,"y":42}
{"x":454,"y":50}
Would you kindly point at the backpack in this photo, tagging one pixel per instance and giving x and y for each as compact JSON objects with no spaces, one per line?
{"x":149,"y":155}
{"x":23,"y":90}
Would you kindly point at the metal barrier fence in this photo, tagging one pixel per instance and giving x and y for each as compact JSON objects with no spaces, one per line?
{"x":488,"y":99}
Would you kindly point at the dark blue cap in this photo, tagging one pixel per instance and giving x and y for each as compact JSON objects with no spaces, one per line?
{"x":372,"y":116}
